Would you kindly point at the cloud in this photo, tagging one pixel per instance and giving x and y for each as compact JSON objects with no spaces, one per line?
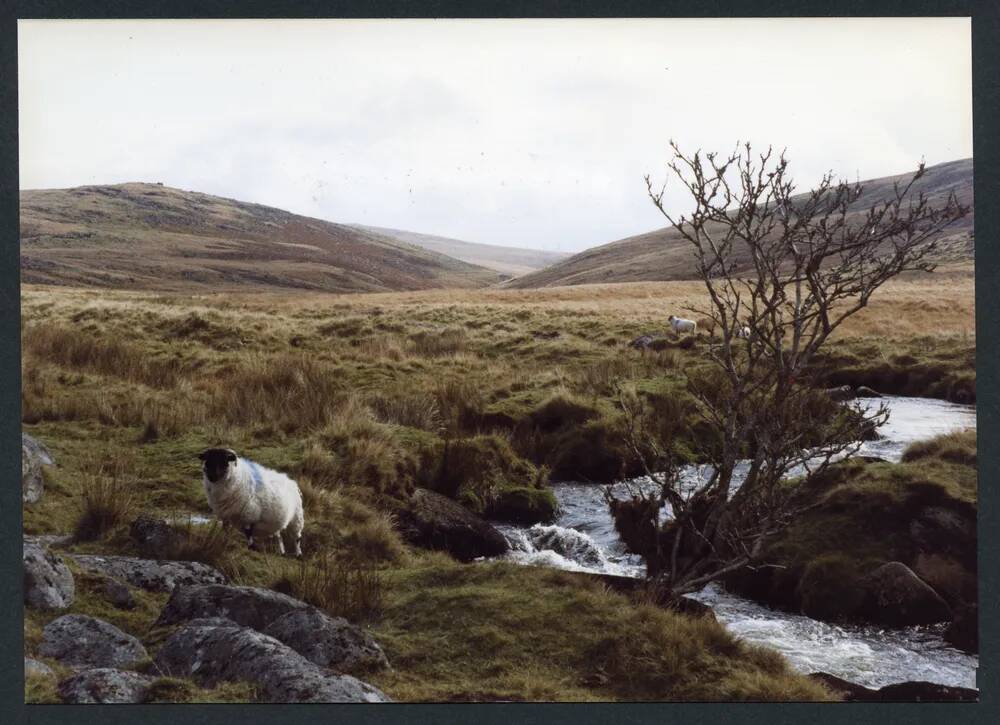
{"x":533,"y":133}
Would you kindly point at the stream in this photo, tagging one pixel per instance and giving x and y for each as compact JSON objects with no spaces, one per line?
{"x":583,"y":538}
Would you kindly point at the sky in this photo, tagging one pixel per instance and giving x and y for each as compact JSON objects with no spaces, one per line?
{"x":529,"y":133}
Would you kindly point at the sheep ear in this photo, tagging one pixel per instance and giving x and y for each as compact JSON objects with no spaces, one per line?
{"x":230,"y":457}
{"x":203,"y":455}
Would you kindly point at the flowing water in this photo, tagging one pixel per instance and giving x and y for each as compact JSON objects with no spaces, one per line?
{"x":583,"y":538}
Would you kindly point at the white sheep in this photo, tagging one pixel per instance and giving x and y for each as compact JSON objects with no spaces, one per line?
{"x":743,"y":332}
{"x":256,"y":500}
{"x":680,"y":325}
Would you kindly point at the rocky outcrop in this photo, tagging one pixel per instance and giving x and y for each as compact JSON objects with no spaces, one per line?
{"x":864,"y":391}
{"x":79,"y":640}
{"x":104,"y":685}
{"x":842,"y":392}
{"x":34,"y":456}
{"x":436,"y":522}
{"x":331,"y":642}
{"x":48,"y":582}
{"x":118,"y":594}
{"x":154,"y":537}
{"x":916,"y":691}
{"x":34,"y":668}
{"x":214,"y":651}
{"x":963,"y":632}
{"x":152,"y":575}
{"x":247,"y":606}
{"x":896,"y":597}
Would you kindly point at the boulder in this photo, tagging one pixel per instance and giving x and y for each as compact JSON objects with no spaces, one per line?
{"x":48,"y":582}
{"x":331,"y":642}
{"x":963,"y":632}
{"x":641,"y":342}
{"x":845,"y":690}
{"x":864,"y":391}
{"x":247,"y":606}
{"x":916,"y":691}
{"x":37,"y":669}
{"x":926,"y":692}
{"x":80,"y":640}
{"x":118,"y":594}
{"x":34,"y":456}
{"x":436,"y":522}
{"x":842,"y":392}
{"x":896,"y":597}
{"x":152,"y":575}
{"x":215,"y":652}
{"x":154,"y":536}
{"x":104,"y":685}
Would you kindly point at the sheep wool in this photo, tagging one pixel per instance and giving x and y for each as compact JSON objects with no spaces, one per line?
{"x":259,"y":501}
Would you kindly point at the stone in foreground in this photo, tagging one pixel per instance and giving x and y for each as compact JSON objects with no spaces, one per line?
{"x":82,"y":641}
{"x":48,"y":582}
{"x":331,"y":642}
{"x":213,"y":651}
{"x":152,"y":575}
{"x":104,"y":685}
{"x":34,"y":456}
{"x":247,"y":606}
{"x":436,"y":522}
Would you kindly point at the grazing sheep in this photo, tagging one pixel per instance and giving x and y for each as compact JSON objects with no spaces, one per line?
{"x":679,"y":324}
{"x":707,"y":324}
{"x":256,"y":500}
{"x":743,"y":332}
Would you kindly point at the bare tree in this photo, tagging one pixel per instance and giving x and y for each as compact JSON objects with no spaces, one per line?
{"x":782,"y":273}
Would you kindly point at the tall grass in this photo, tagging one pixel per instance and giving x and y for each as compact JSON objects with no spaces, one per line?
{"x":343,"y":588}
{"x":106,"y":502}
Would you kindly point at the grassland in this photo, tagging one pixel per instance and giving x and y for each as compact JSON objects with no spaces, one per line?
{"x":483,"y":395}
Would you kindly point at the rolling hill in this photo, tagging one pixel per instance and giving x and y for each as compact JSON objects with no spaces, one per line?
{"x":148,"y":236}
{"x":509,"y":261}
{"x":664,"y":255}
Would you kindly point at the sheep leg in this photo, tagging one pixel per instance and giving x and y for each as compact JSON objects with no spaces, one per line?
{"x":293,"y":533}
{"x":281,"y":544}
{"x":251,"y":544}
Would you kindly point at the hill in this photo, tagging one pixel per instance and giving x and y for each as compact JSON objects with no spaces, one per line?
{"x":149,"y":236}
{"x":664,"y":255}
{"x":509,"y":261}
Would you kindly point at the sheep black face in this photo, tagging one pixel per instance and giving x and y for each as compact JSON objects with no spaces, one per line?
{"x":216,"y":462}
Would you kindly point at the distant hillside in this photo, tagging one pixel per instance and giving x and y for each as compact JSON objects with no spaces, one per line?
{"x":664,"y":255}
{"x":510,"y":261}
{"x":148,"y":236}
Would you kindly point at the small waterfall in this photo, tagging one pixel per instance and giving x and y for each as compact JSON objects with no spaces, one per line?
{"x":584,"y":539}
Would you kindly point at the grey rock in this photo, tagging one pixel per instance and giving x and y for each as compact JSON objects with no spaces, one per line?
{"x":842,"y":392}
{"x":915,"y":691}
{"x":247,"y":606}
{"x":37,"y":669}
{"x":77,"y":639}
{"x":896,"y":597}
{"x":34,"y":456}
{"x":331,"y":642}
{"x":48,"y":582}
{"x":963,"y":632}
{"x":435,"y":521}
{"x":215,"y":653}
{"x":118,"y":594}
{"x":152,"y":575}
{"x":864,"y":391}
{"x":104,"y":685}
{"x":48,"y":540}
{"x":154,"y":536}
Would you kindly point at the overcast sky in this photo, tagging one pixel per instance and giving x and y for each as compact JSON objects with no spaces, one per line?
{"x":532,"y":133}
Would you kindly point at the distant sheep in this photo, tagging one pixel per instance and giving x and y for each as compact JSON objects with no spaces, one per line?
{"x":743,"y":332}
{"x":706,"y":324}
{"x":679,"y":325}
{"x":256,"y":500}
